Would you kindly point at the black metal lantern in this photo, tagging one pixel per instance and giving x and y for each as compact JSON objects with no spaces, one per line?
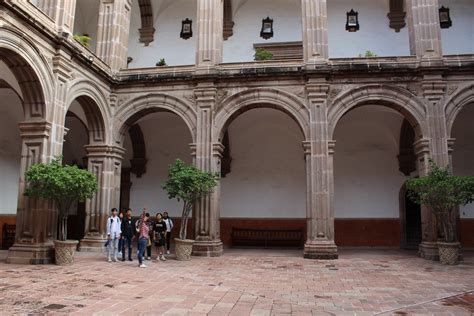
{"x":444,"y":18}
{"x":352,"y":22}
{"x":186,"y":29}
{"x":267,"y":28}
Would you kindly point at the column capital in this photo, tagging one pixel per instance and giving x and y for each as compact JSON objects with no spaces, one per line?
{"x":307,"y":148}
{"x":35,"y":129}
{"x":331,"y":147}
{"x":422,"y":147}
{"x":104,"y":151}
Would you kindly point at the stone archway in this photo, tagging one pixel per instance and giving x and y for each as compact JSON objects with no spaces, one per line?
{"x":35,"y":221}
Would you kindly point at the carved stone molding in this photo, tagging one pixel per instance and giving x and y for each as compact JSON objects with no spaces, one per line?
{"x":147,"y":31}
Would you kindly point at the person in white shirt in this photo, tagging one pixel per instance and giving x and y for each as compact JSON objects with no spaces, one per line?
{"x":113,"y":235}
{"x":169,"y":227}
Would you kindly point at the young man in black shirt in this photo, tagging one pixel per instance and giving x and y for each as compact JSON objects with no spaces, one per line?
{"x":128,"y":233}
{"x":159,"y":230}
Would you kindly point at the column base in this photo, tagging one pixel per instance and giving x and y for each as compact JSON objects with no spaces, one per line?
{"x":320,"y":249}
{"x":205,"y":248}
{"x":428,"y":250}
{"x":21,"y":253}
{"x":92,"y":243}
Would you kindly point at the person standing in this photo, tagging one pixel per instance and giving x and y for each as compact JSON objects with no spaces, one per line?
{"x":150,"y":239}
{"x":143,"y":237}
{"x":169,"y":228}
{"x":159,"y":229}
{"x":128,"y":233}
{"x":113,"y":235}
{"x":120,"y":243}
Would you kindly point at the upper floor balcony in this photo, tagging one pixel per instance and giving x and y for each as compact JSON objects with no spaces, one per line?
{"x":163,"y":36}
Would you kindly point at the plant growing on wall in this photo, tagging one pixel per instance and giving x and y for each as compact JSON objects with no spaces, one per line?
{"x":188,"y":183}
{"x":162,"y":62}
{"x":83,"y":39}
{"x":262,"y":54}
{"x":442,"y":192}
{"x":368,"y":54}
{"x":63,"y":184}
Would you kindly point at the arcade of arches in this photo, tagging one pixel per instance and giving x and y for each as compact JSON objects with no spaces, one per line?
{"x":311,"y":145}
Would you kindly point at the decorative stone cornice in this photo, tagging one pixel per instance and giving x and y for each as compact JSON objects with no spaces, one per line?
{"x":104,"y":151}
{"x":35,"y":129}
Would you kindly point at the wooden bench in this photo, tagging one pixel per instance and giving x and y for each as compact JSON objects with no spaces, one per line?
{"x":267,"y":237}
{"x":8,"y":235}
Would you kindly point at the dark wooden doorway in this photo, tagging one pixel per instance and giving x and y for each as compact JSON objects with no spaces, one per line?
{"x":410,"y":217}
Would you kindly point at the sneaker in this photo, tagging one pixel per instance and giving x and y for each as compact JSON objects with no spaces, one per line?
{"x":120,"y":254}
{"x":148,"y":258}
{"x":157,"y":258}
{"x":115,"y":259}
{"x":123,"y":259}
{"x":142,"y":265}
{"x":109,"y":260}
{"x":162,"y":258}
{"x":130,"y":259}
{"x":167,"y":252}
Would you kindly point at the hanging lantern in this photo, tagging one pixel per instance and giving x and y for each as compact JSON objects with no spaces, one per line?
{"x":267,"y":28}
{"x":444,"y":18}
{"x":186,"y":29}
{"x":352,"y":23}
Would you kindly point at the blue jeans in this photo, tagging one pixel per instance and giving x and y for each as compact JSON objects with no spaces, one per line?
{"x":142,"y":242}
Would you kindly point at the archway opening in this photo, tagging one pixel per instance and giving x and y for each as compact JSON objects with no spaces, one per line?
{"x":374,"y":157}
{"x":11,"y":114}
{"x":263,"y":189}
{"x":462,"y":164}
{"x":153,"y":139}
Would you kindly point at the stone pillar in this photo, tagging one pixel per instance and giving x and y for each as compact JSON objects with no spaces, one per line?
{"x":112,"y":33}
{"x":36,"y":219}
{"x":106,"y":163}
{"x":320,"y":214}
{"x":315,"y":31}
{"x":435,"y":148}
{"x":207,"y":156}
{"x":210,"y":15}
{"x":61,"y":11}
{"x":423,"y":28}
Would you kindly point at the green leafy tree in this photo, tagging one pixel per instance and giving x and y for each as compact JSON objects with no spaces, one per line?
{"x":262,"y":54}
{"x":442,"y":192}
{"x":63,"y":184}
{"x":188,"y":183}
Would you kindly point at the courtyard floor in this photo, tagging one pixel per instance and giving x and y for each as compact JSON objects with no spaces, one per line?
{"x":243,"y":282}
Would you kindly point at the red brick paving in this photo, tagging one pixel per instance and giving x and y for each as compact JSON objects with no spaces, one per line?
{"x":244,"y":282}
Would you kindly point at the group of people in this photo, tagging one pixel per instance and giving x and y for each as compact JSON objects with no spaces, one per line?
{"x":122,"y":230}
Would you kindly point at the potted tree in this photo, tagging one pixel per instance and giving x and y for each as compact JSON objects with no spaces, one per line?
{"x":187,"y":183}
{"x":443,"y":192}
{"x":65,"y":185}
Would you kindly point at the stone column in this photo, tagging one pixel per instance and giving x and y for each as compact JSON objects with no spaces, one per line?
{"x":423,"y":28}
{"x":106,"y":163}
{"x":315,"y":31}
{"x":207,"y":155}
{"x":61,"y":11}
{"x":210,"y":15}
{"x":113,"y":31}
{"x":320,"y":214}
{"x":435,"y":148}
{"x":36,"y":218}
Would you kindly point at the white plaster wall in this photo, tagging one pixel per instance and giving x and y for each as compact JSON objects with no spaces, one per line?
{"x":167,"y":43}
{"x":374,"y":34}
{"x":86,"y":20}
{"x":367,"y":180}
{"x":267,"y":178}
{"x":459,"y":38}
{"x":11,"y":113}
{"x":463,"y":155}
{"x":248,"y":15}
{"x":166,"y":137}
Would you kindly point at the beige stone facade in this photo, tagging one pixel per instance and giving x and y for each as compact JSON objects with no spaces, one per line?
{"x":53,"y":70}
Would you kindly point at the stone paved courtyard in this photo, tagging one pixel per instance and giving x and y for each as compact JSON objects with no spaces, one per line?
{"x":243,"y":282}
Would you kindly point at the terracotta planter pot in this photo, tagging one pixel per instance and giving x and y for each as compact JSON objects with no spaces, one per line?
{"x":64,"y":251}
{"x":448,"y":252}
{"x":183,"y":249}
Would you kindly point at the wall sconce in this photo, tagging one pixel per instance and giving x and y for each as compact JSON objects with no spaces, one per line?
{"x":352,"y":23}
{"x":186,"y":29}
{"x":444,"y":18}
{"x":267,"y":28}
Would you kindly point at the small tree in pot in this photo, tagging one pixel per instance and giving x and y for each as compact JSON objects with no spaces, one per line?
{"x":442,"y":193}
{"x":65,"y":185}
{"x":187,"y":183}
